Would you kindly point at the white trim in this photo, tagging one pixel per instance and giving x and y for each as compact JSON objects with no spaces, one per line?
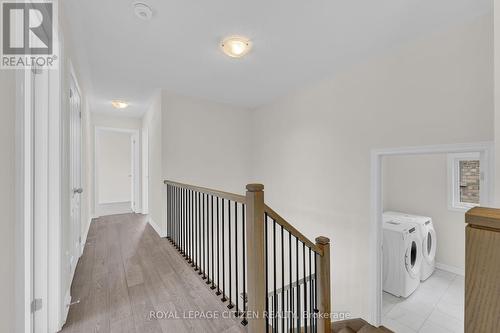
{"x":65,"y":309}
{"x":55,"y":203}
{"x":454,"y":203}
{"x":23,"y":248}
{"x":156,"y":228}
{"x":113,"y":209}
{"x":486,"y":148}
{"x":85,"y":236}
{"x":451,"y":269}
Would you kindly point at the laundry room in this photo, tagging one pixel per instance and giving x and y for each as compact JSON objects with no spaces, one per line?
{"x":424,"y":199}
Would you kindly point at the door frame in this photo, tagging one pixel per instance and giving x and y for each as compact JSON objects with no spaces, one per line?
{"x":145,"y":171}
{"x":25,"y":193}
{"x":486,"y":149}
{"x":135,"y":167}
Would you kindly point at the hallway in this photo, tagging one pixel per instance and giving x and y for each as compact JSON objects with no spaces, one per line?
{"x":126,"y":271}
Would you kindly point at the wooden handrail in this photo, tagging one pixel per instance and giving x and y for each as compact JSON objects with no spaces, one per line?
{"x":221,"y":194}
{"x":291,"y":229}
{"x":256,"y":225}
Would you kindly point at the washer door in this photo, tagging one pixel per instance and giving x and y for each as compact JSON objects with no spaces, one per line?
{"x":413,"y":259}
{"x":429,"y":245}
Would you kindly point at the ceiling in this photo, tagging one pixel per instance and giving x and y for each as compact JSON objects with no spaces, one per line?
{"x":295,"y":42}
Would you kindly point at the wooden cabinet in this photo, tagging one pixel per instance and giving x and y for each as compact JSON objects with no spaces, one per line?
{"x":482,"y":271}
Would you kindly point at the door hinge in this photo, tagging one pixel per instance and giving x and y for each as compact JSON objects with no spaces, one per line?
{"x":36,"y":304}
{"x":80,"y":240}
{"x":36,"y":70}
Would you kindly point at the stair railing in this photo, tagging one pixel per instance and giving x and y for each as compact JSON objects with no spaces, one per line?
{"x":242,"y":247}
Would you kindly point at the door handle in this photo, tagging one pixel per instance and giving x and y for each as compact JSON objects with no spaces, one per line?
{"x":78,"y":190}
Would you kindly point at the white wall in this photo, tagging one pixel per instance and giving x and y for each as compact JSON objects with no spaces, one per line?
{"x":153,"y":125}
{"x":114,"y":166}
{"x":205,"y":143}
{"x":312,"y":148}
{"x":197,"y":142}
{"x":418,"y":184}
{"x":7,"y":199}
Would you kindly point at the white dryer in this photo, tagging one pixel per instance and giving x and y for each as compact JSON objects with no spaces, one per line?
{"x":428,"y":238}
{"x":402,"y":254}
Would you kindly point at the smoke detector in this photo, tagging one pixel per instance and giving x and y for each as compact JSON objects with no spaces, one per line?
{"x":143,"y":11}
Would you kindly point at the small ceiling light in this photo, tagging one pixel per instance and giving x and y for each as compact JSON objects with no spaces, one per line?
{"x":117,"y":104}
{"x":143,"y":11}
{"x":236,"y":46}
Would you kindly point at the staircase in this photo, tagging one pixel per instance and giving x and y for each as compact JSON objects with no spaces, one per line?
{"x":268,"y":273}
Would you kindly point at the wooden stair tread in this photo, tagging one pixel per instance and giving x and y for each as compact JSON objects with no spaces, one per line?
{"x":356,"y":325}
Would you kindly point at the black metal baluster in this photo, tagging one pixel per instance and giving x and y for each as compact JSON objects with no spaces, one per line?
{"x":230,"y":305}
{"x":193,"y":202}
{"x":183,"y":220}
{"x":245,"y":297}
{"x":305,"y":285}
{"x":223,"y":256}
{"x":188,"y":211}
{"x":207,"y":245}
{"x":275,"y":300}
{"x":316,"y":310}
{"x":310,"y":294}
{"x":291,"y":281}
{"x":168,"y":212}
{"x":282,"y":280}
{"x":298,"y":284}
{"x":200,"y":230}
{"x":236,"y":255}
{"x":175,"y":217}
{"x":267,"y":277}
{"x":197,"y":223}
{"x":192,"y":229}
{"x":212,"y":233}
{"x":203,"y":240}
{"x":218,"y":249}
{"x":185,"y":223}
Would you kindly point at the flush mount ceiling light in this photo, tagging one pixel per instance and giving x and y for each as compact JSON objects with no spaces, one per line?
{"x":143,"y":11}
{"x":117,"y":104}
{"x":236,"y":46}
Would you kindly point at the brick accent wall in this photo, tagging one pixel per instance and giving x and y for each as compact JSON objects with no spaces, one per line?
{"x":469,"y":181}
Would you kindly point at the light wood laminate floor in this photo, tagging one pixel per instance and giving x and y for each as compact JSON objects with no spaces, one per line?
{"x":127,"y":271}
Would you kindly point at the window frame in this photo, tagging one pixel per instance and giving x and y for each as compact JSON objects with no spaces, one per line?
{"x":454,"y":160}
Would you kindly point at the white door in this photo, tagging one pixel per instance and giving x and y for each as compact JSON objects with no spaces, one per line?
{"x":75,"y":170}
{"x":40,"y":125}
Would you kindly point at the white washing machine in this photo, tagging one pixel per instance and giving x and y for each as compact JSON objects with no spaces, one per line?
{"x":427,"y":235}
{"x":402,"y":253}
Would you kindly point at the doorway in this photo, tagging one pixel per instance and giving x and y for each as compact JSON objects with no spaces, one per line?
{"x":485,"y":151}
{"x":117,"y":171}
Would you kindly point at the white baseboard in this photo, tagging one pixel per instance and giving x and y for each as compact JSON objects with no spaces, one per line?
{"x":104,"y":209}
{"x":84,"y":237}
{"x":156,"y":227}
{"x":65,"y":308}
{"x":451,"y":269}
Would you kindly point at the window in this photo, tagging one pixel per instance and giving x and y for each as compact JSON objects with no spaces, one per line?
{"x":465,"y":180}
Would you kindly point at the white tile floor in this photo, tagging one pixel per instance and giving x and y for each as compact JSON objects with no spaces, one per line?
{"x":437,"y":306}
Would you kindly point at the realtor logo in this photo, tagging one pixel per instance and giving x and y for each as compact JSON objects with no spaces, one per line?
{"x":27,"y":35}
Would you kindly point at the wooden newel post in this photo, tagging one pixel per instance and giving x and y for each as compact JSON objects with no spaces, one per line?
{"x":257,"y":292}
{"x":324,"y":290}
